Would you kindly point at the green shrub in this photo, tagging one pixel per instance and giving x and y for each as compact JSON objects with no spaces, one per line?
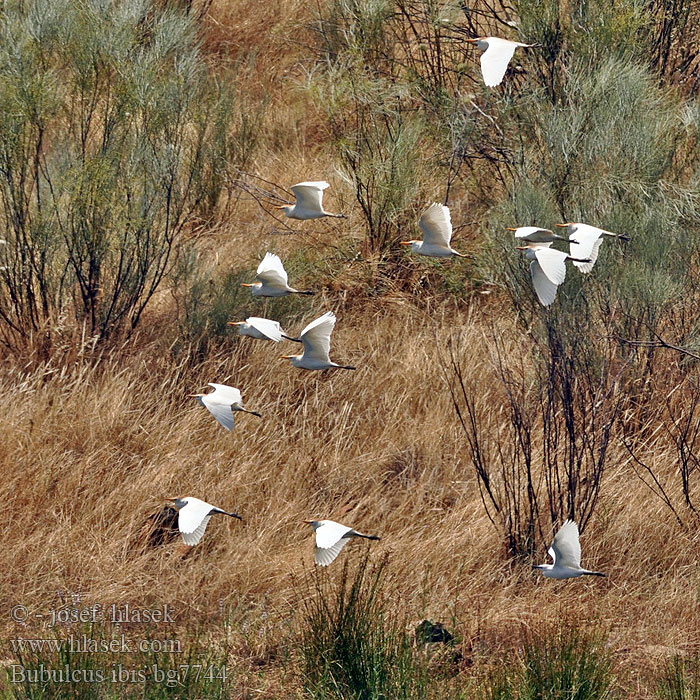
{"x":115,"y":135}
{"x":680,"y":679}
{"x":351,"y":645}
{"x":568,"y":665}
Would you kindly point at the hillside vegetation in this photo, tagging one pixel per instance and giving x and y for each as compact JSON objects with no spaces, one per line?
{"x":143,"y":148}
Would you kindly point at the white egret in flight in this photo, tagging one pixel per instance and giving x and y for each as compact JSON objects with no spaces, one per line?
{"x":547,"y":269}
{"x":317,"y":345}
{"x":309,"y":202}
{"x":193,"y":517}
{"x":222,"y":402}
{"x":262,"y":329}
{"x":535,"y":234}
{"x":587,"y":243}
{"x":331,"y":537}
{"x":496,"y":57}
{"x":436,"y":225}
{"x":566,"y":555}
{"x":271,"y":279}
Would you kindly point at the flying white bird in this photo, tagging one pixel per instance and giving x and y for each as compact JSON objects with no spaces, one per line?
{"x":262,"y":329}
{"x":271,"y":279}
{"x":309,"y":202}
{"x":547,"y":269}
{"x":496,"y":57}
{"x":222,"y":402}
{"x":193,"y":517}
{"x":566,"y":555}
{"x":587,"y":243}
{"x":331,"y":537}
{"x":317,"y":345}
{"x":535,"y":234}
{"x":436,"y":225}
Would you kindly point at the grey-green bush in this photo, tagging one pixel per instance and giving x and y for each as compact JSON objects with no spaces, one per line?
{"x":114,"y":136}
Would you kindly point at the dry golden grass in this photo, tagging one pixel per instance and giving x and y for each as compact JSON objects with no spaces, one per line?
{"x":89,"y":453}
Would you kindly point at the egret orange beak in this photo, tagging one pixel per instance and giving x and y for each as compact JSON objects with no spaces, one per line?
{"x":472,"y":41}
{"x":405,"y":242}
{"x":170,"y":499}
{"x":194,"y":396}
{"x":247,"y":284}
{"x":521,"y":247}
{"x":563,"y":225}
{"x":510,"y":228}
{"x":287,"y":357}
{"x":308,"y":522}
{"x":235,"y":323}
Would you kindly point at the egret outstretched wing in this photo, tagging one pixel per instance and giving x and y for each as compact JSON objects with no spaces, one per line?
{"x":270,"y":329}
{"x":329,"y":533}
{"x":324,"y":557}
{"x":566,"y":548}
{"x":436,"y":225}
{"x":309,"y":195}
{"x":545,"y":289}
{"x":271,"y":271}
{"x":495,"y":60}
{"x":193,"y":519}
{"x":219,"y":403}
{"x":225,"y":393}
{"x":588,"y":241}
{"x":553,"y":263}
{"x":317,"y":337}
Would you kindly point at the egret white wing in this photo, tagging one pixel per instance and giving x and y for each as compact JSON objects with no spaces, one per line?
{"x":221,"y":411}
{"x":194,"y":537}
{"x":192,"y":516}
{"x":271,"y":271}
{"x":553,"y":263}
{"x":330,"y":533}
{"x":309,"y":195}
{"x":495,"y":60}
{"x":317,"y":337}
{"x":566,"y":548}
{"x":588,"y":241}
{"x":436,"y":225}
{"x":225,"y":393}
{"x":545,"y":289}
{"x":325,"y":556}
{"x":586,"y":267}
{"x":270,"y":329}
